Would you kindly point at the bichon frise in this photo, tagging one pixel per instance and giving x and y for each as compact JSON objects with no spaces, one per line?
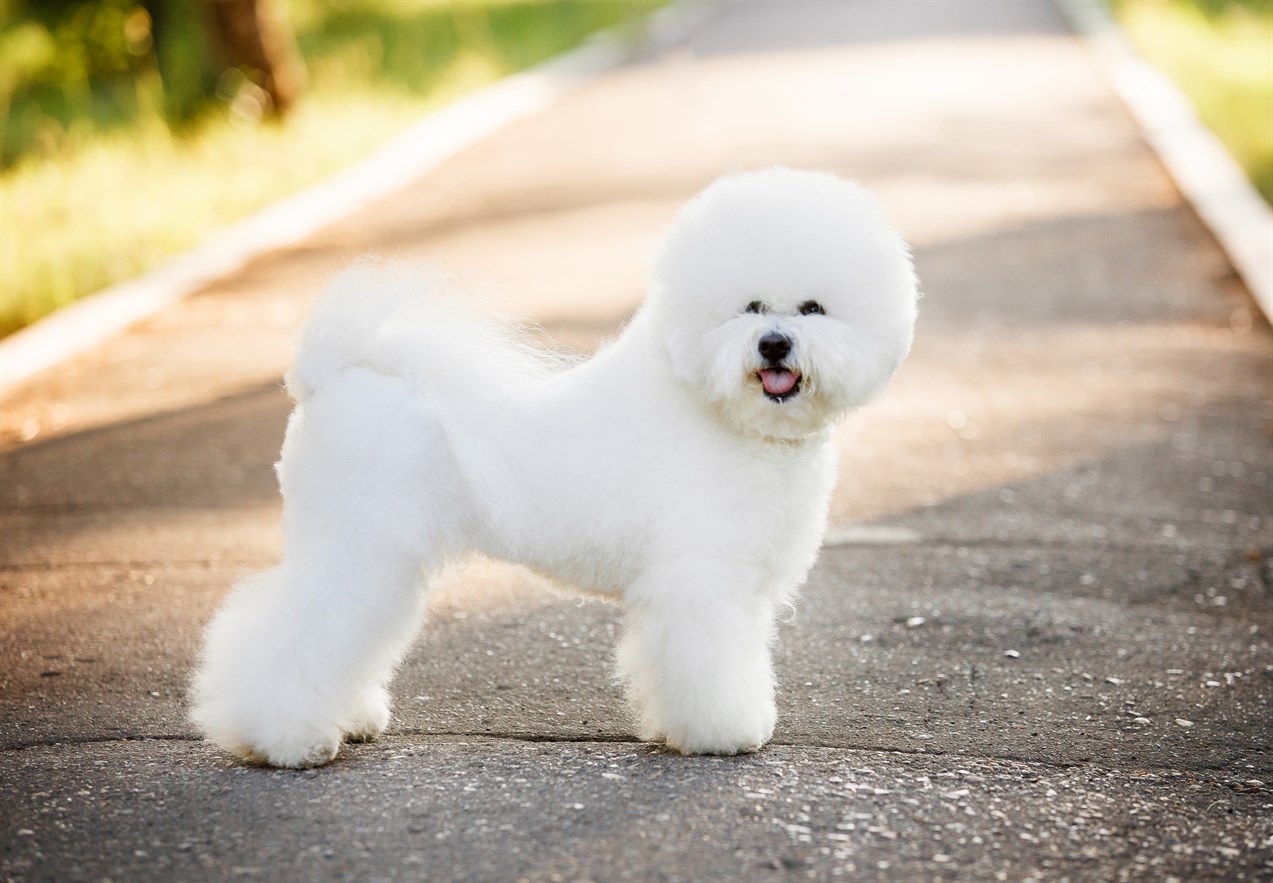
{"x":685,"y":471}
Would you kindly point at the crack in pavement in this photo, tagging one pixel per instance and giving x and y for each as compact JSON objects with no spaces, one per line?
{"x":1206,"y":773}
{"x":98,"y":740}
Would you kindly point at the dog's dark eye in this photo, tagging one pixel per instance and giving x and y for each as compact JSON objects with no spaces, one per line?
{"x":812,"y":308}
{"x":756,"y":307}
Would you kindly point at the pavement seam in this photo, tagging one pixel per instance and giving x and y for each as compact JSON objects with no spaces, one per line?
{"x":1209,"y":773}
{"x":540,"y":738}
{"x":97,"y":740}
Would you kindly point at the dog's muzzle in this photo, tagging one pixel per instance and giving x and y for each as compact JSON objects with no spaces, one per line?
{"x":778,"y":381}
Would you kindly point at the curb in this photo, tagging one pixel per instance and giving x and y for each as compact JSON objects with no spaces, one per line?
{"x":426,"y":145}
{"x":1203,"y":169}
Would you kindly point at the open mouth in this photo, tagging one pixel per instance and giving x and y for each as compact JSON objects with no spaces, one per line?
{"x":779,"y":384}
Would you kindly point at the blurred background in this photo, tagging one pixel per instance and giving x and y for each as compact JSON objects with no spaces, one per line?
{"x":1220,"y":52}
{"x":130,"y":129}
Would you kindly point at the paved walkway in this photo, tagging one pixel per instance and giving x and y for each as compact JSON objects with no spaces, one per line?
{"x":1055,"y":663}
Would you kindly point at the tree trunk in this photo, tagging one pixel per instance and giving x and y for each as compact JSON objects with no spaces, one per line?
{"x":249,"y":37}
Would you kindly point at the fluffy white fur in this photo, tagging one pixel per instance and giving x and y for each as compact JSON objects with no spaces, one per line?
{"x":659,"y":473}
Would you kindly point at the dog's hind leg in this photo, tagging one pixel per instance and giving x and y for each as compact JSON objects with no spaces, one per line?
{"x":299,"y":657}
{"x":695,"y":658}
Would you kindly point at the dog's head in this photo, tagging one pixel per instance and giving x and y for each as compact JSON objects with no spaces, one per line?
{"x":784,"y":298}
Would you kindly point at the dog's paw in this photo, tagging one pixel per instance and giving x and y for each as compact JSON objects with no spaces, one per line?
{"x":358,"y":735}
{"x":717,"y":746}
{"x":702,"y":730}
{"x":716,"y":737}
{"x":255,"y":736}
{"x":303,"y":756}
{"x":295,"y":754}
{"x":257,"y":728}
{"x":369,"y":722}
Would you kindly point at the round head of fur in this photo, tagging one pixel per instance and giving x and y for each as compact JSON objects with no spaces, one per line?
{"x":783,"y":298}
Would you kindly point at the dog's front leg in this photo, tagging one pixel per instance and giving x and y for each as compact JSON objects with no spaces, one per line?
{"x":695,"y":659}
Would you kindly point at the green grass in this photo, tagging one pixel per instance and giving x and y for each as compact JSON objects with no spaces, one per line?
{"x":98,"y":199}
{"x":1220,"y":53}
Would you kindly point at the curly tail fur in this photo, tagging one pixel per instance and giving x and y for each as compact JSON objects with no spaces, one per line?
{"x":401,"y":320}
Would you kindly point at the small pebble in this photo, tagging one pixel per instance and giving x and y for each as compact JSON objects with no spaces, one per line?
{"x":1012,"y":654}
{"x":1181,"y":722}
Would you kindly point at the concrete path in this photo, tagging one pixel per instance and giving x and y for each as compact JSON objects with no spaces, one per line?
{"x":1049,"y":657}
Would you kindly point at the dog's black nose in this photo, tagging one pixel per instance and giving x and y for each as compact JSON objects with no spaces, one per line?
{"x":774,"y":346}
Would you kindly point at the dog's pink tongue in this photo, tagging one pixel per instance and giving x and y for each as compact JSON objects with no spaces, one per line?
{"x":777,"y":381}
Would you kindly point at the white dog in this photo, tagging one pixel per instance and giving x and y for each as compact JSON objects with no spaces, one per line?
{"x":685,"y":471}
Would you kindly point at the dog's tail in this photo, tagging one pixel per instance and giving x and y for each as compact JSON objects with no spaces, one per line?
{"x":346,"y":319}
{"x":402,"y":320}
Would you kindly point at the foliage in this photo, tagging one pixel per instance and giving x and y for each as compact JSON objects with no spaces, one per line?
{"x":73,"y":69}
{"x":112,"y":166}
{"x":1220,"y":53}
